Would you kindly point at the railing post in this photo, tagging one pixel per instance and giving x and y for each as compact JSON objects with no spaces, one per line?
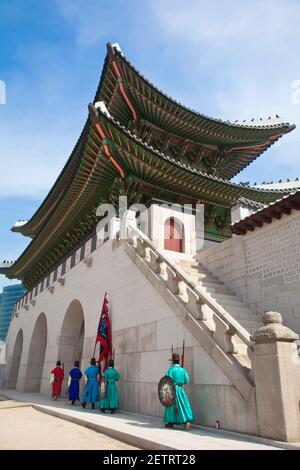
{"x":127,"y":220}
{"x":277,"y":379}
{"x":141,"y":248}
{"x":114,"y":227}
{"x":155,"y":262}
{"x":195,"y":305}
{"x":223,"y":335}
{"x":173,"y":281}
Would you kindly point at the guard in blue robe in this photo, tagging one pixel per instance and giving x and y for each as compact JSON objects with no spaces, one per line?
{"x":111,"y":399}
{"x":91,"y":391}
{"x":75,"y":376}
{"x":181,"y":412}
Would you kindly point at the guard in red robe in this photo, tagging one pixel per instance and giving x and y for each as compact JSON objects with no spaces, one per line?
{"x":57,"y":377}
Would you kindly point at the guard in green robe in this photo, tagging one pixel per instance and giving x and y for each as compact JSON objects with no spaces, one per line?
{"x":181,"y":412}
{"x":111,"y":399}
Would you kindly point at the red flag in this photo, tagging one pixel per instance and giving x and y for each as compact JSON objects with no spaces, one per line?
{"x":104,"y":336}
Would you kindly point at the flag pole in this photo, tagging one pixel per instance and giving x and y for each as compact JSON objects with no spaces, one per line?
{"x":182,"y":357}
{"x":99,"y":323}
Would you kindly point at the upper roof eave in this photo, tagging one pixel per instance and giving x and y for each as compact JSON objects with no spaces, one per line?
{"x":185,"y":166}
{"x":256,"y":125}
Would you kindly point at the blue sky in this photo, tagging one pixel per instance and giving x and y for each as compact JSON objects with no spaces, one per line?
{"x":232,"y":60}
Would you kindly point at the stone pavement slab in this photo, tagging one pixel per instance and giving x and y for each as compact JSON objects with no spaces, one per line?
{"x":146,"y":432}
{"x":44,"y":432}
{"x":7,"y":404}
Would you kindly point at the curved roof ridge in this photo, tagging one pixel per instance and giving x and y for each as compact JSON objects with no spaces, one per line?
{"x":238,"y":124}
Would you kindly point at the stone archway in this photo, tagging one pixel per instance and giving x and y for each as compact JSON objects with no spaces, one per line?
{"x":71,"y":337}
{"x":15,"y":361}
{"x":37,"y":349}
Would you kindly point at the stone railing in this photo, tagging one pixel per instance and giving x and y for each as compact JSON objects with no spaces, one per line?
{"x":219,"y":325}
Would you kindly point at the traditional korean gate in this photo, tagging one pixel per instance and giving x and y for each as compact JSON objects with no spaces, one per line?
{"x":173,"y":235}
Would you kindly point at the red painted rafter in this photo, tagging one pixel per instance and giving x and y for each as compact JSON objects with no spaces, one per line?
{"x":120,"y":84}
{"x":102,"y":135}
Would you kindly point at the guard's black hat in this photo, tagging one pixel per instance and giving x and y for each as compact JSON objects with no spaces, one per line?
{"x":175,"y":357}
{"x":58,"y":363}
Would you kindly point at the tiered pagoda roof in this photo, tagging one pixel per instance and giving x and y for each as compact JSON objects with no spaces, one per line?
{"x":218,"y":147}
{"x":141,"y":143}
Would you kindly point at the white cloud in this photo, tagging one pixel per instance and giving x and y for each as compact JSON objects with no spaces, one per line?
{"x":252,"y":49}
{"x":40,"y":123}
{"x":31,"y":163}
{"x":90,"y":19}
{"x":7,"y":282}
{"x":232,"y":60}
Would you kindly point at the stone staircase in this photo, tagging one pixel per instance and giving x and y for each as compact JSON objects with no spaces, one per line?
{"x":226,"y":298}
{"x":215,"y":316}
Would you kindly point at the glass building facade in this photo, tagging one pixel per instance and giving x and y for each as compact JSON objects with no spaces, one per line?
{"x":8,"y":299}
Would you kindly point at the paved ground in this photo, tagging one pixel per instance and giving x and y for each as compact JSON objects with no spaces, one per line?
{"x":136,"y":430}
{"x":22,"y":427}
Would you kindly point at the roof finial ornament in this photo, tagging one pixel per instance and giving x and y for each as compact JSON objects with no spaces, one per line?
{"x":112,"y":47}
{"x":102,"y":107}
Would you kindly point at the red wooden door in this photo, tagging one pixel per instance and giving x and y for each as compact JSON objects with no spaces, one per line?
{"x":173,"y":235}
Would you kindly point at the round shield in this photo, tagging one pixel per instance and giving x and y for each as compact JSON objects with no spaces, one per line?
{"x":102,"y":388}
{"x":166,"y":391}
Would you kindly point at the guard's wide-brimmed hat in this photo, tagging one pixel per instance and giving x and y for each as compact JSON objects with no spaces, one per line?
{"x":175,"y":357}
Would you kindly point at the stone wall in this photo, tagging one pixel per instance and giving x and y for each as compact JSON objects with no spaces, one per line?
{"x":2,"y":375}
{"x":144,"y":328}
{"x":262,"y":267}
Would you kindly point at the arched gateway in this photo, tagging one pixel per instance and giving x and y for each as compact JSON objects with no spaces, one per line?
{"x":15,"y":361}
{"x":35,"y":364}
{"x":71,"y":337}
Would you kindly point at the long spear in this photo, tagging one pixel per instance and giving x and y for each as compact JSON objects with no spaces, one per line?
{"x":182,"y":357}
